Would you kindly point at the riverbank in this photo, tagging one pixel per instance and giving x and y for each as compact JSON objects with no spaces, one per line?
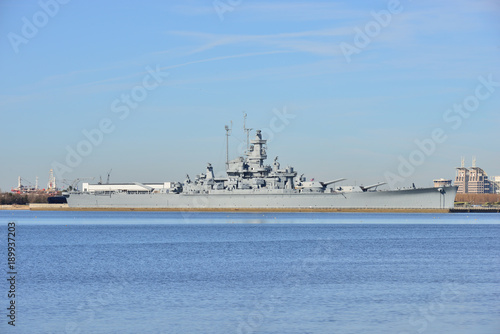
{"x":476,"y":209}
{"x":65,"y":207}
{"x":14,"y":207}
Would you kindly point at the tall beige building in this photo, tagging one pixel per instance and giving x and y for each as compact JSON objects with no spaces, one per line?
{"x":478,"y":181}
{"x":461,"y":180}
{"x":473,"y":180}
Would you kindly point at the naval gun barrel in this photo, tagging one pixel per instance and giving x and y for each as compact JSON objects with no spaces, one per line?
{"x":324,"y":184}
{"x":144,"y":186}
{"x":372,"y":186}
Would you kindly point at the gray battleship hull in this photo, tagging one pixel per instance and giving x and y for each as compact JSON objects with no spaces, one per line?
{"x":424,"y":198}
{"x":252,"y":185}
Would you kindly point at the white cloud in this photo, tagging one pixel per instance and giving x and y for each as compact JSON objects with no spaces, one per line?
{"x":318,"y":42}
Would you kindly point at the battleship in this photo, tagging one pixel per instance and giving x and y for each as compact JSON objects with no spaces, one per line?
{"x":249,"y":184}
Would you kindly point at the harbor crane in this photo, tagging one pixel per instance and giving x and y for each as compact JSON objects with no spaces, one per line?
{"x":107,"y":179}
{"x":109,"y":173}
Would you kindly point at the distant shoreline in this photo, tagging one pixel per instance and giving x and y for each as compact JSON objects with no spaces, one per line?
{"x":65,"y":207}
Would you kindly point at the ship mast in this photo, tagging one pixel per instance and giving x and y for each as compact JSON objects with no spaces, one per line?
{"x":246,"y":130}
{"x":228,"y":133}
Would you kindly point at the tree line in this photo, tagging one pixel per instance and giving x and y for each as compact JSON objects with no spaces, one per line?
{"x":478,"y":199}
{"x":10,"y":198}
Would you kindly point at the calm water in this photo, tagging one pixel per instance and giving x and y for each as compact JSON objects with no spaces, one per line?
{"x":90,"y":272}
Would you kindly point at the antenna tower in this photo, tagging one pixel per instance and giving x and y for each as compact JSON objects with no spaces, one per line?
{"x":246,"y":130}
{"x":228,"y":133}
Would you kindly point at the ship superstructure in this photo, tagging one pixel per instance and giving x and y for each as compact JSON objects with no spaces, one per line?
{"x":247,"y":173}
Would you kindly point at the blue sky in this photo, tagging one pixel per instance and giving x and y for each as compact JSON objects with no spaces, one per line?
{"x":349,"y":114}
